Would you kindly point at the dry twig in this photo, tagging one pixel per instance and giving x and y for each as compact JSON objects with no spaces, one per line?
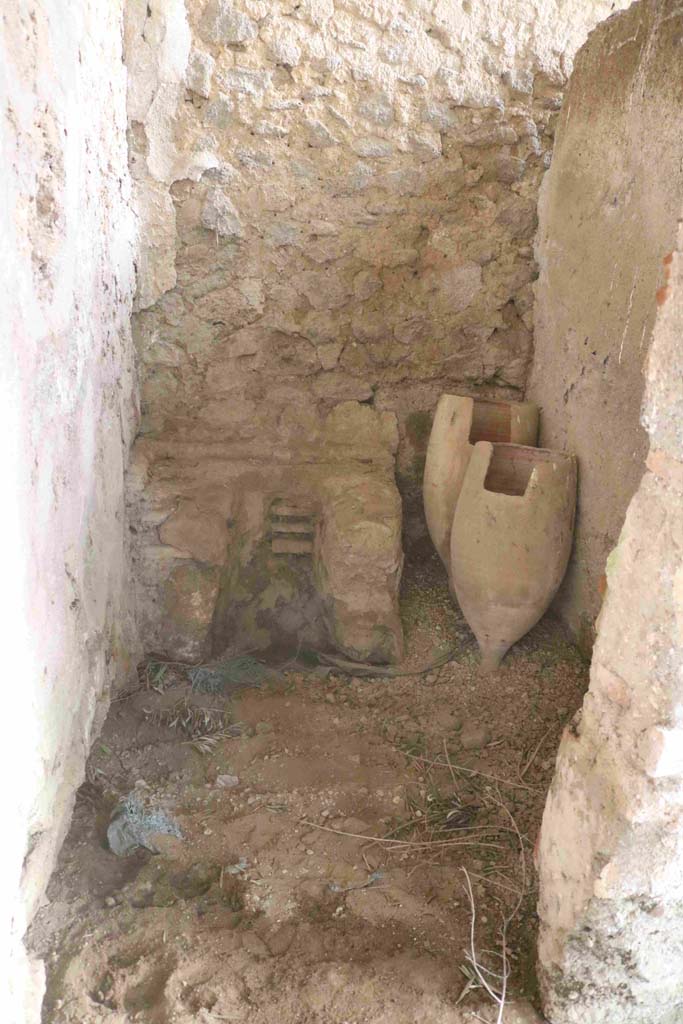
{"x":495,"y":983}
{"x":403,"y":843}
{"x":534,"y":753}
{"x":468,"y":771}
{"x":195,"y":721}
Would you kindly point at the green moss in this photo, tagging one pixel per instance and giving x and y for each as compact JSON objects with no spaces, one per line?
{"x":418,"y":467}
{"x":418,"y":428}
{"x":255,"y":591}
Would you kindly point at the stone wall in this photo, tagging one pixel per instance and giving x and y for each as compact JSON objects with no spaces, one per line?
{"x":611,"y":845}
{"x":607,"y":213}
{"x":338,"y":203}
{"x":66,"y":420}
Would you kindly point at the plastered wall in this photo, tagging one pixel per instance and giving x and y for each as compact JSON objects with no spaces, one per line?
{"x":66,"y":419}
{"x":608,"y":212}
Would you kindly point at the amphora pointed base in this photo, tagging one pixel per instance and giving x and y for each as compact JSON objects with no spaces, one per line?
{"x":511,"y":540}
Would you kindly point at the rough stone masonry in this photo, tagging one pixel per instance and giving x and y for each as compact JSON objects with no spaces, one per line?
{"x":338,"y":204}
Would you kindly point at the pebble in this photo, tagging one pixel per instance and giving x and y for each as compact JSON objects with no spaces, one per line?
{"x":227,"y":781}
{"x":110,"y":901}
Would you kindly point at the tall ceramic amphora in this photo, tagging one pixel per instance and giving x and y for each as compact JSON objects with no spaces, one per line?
{"x":459,"y":423}
{"x":511,"y":540}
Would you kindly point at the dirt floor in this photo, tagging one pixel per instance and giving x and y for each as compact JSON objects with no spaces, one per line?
{"x":276,"y":906}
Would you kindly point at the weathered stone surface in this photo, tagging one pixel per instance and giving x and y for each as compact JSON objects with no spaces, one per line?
{"x":156,"y":271}
{"x":608,"y":215}
{"x":358,"y":566}
{"x":219,"y":215}
{"x":188,"y":598}
{"x":360,"y":427}
{"x":199,"y":71}
{"x":255,"y":533}
{"x":223,"y":22}
{"x":67,"y":417}
{"x":351,"y":208}
{"x":611,"y":843}
{"x":201,"y":535}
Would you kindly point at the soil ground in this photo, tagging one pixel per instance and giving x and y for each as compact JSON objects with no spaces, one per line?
{"x":276,"y":907}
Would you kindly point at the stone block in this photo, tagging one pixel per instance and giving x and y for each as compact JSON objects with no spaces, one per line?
{"x":358,"y":566}
{"x":204,"y":535}
{"x":188,"y":598}
{"x":220,"y":215}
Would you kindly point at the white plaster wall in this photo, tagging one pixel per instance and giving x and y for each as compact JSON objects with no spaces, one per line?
{"x":67,"y":413}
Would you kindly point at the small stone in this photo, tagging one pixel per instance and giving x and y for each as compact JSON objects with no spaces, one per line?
{"x":199,"y":71}
{"x":246,"y":81}
{"x":509,"y":169}
{"x":227,"y":781}
{"x":221,"y":23}
{"x":219,"y":112}
{"x":319,"y":136}
{"x":219,"y":215}
{"x":329,"y":354}
{"x":474,"y":736}
{"x":110,"y":901}
{"x":373,"y":148}
{"x":284,"y":50}
{"x":377,"y":109}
